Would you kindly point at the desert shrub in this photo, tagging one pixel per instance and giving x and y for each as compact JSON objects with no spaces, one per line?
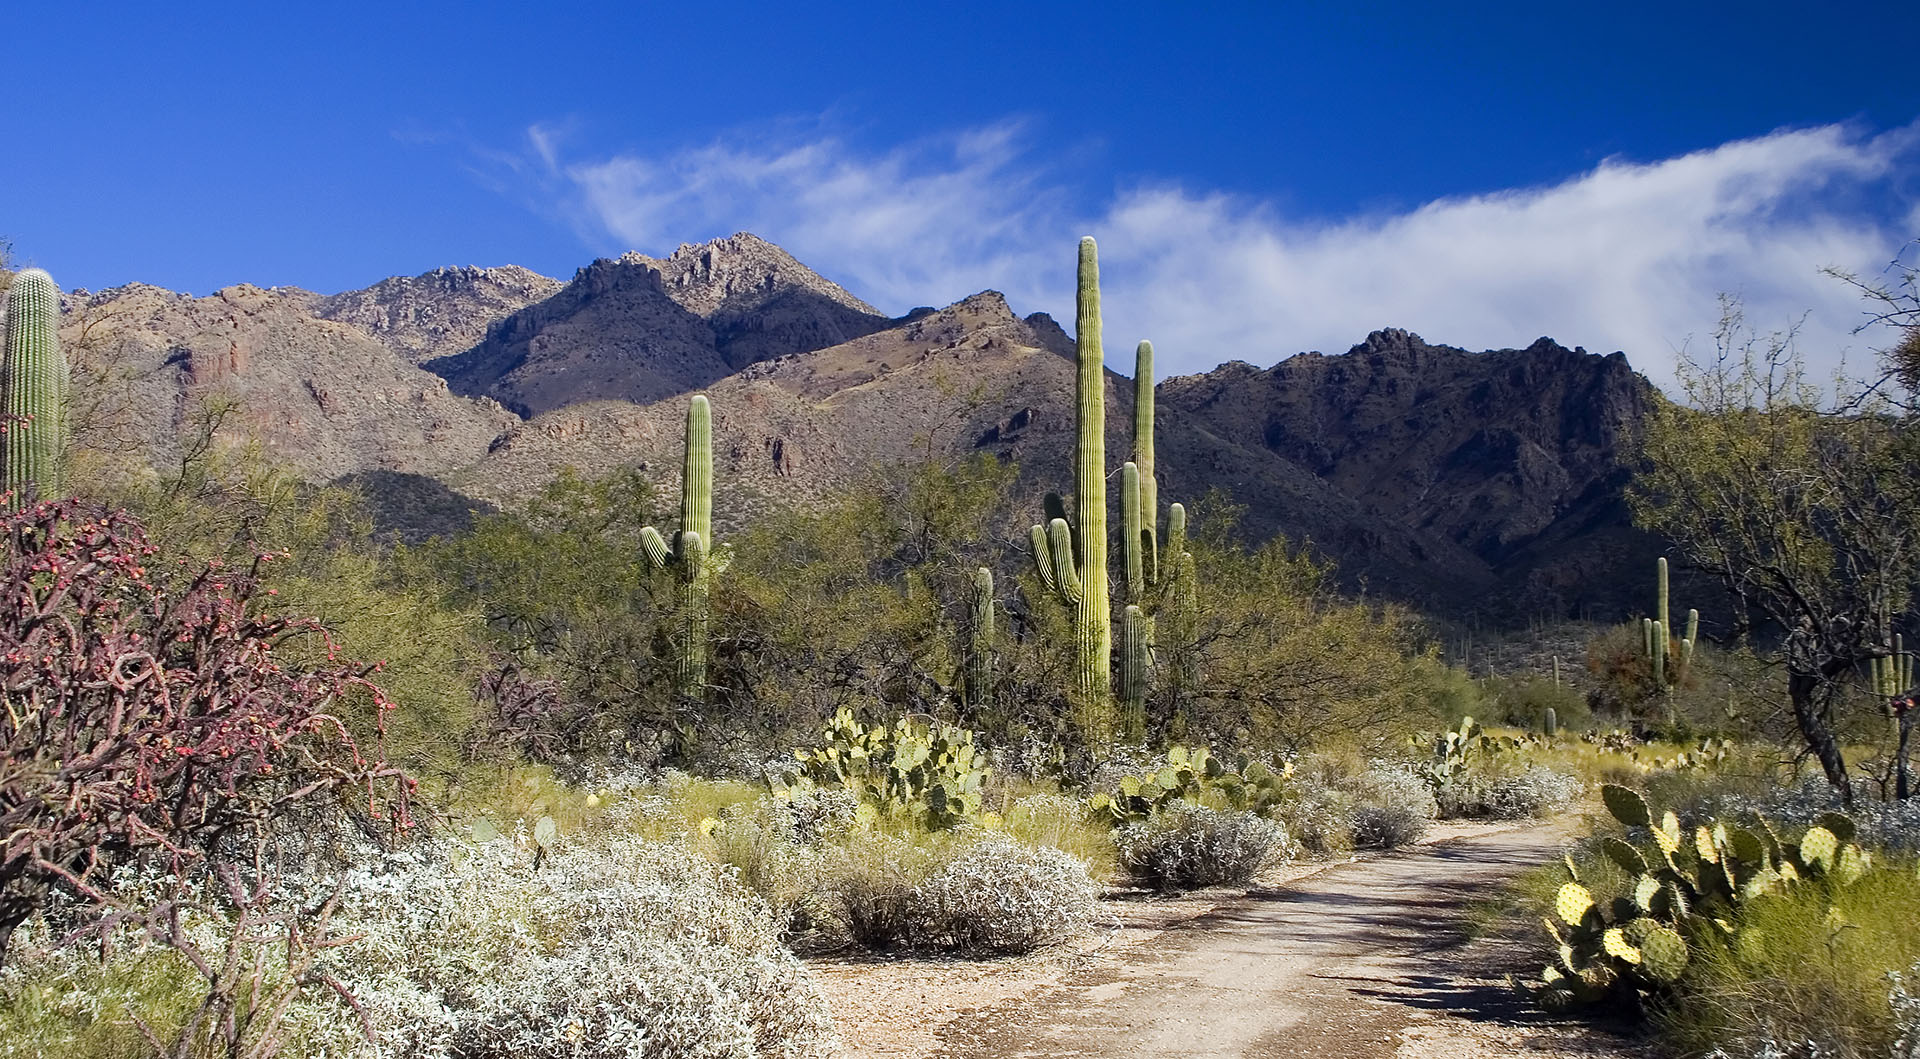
{"x":1538,"y":791}
{"x":1448,"y":693}
{"x":1391,"y":808}
{"x":1806,"y":972}
{"x":1524,"y":701}
{"x":1049,"y":819}
{"x":1188,"y":846}
{"x":617,"y":946}
{"x":1002,"y":897}
{"x":874,"y":890}
{"x":149,"y":714}
{"x":1890,"y":826}
{"x":956,"y":892}
{"x":1320,"y":819}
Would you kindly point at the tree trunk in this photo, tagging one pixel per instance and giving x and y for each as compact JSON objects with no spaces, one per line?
{"x":1903,"y":788}
{"x":1819,"y":738}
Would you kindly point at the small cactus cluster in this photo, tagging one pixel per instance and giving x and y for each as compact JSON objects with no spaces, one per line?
{"x":1687,"y":887}
{"x":32,"y":458}
{"x":1657,"y":632}
{"x":1188,"y":777}
{"x":688,"y":555}
{"x":932,"y":773}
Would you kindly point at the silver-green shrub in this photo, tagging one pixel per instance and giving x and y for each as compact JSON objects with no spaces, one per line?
{"x":1003,"y":897}
{"x":961,"y":892}
{"x":1391,"y":808}
{"x":1187,"y":846}
{"x":616,"y":947}
{"x":1539,"y":791}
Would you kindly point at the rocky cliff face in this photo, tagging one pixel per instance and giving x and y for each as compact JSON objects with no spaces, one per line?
{"x":324,"y":397}
{"x":1484,"y":462}
{"x":438,"y":313}
{"x":642,"y":329}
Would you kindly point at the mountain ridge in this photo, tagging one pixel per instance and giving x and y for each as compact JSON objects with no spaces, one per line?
{"x":1461,"y":482}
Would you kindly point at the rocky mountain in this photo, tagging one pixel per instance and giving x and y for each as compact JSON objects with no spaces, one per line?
{"x":326,"y":398}
{"x":1466,"y":483}
{"x":1495,"y":475}
{"x":438,"y":313}
{"x":642,"y":329}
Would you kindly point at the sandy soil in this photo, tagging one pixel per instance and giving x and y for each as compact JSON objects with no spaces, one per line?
{"x":1352,"y":959}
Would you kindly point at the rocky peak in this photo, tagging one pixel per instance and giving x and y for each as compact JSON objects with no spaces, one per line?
{"x":437,"y":313}
{"x":739,"y":272}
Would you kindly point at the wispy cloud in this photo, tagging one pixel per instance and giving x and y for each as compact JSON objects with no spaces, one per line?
{"x":1628,"y":256}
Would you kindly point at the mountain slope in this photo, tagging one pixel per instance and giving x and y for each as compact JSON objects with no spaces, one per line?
{"x":642,"y":329}
{"x":438,"y":313}
{"x":324,"y":397}
{"x":1469,"y":483}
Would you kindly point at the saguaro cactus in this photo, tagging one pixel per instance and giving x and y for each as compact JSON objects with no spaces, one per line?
{"x":36,"y":389}
{"x":1658,"y":630}
{"x":978,"y":686}
{"x":1072,"y":562}
{"x":688,"y":553}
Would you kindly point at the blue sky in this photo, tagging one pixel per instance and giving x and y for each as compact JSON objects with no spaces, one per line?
{"x":1264,"y":178}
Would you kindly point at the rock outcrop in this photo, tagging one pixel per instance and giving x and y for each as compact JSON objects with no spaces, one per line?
{"x":437,"y":313}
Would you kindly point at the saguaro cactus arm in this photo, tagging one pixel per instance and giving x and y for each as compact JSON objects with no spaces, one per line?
{"x":1143,"y":445}
{"x":1133,"y":538}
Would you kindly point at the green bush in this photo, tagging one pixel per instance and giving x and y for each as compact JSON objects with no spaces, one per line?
{"x":1523,"y":701}
{"x":1808,"y":965}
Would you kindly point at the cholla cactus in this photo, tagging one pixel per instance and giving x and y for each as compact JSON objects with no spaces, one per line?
{"x":36,"y":389}
{"x":689,"y":553}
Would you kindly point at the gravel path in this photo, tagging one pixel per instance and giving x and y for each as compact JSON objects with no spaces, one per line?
{"x":1362,"y":960}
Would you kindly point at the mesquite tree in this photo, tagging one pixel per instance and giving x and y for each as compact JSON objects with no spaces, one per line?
{"x":1808,"y":518}
{"x":146,"y":714}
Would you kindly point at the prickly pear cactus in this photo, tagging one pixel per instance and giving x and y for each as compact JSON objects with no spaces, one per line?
{"x":1193,"y":775}
{"x":930,"y":773}
{"x":1687,"y":887}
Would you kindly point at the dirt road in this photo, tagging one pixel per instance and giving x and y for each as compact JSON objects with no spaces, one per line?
{"x":1363,"y":960}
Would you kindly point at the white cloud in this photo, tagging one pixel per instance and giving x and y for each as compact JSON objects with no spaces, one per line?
{"x":1628,"y":256}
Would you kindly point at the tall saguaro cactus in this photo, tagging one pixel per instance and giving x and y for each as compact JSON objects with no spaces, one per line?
{"x":688,"y":554}
{"x":1072,"y":562}
{"x":36,"y":389}
{"x":978,"y":686}
{"x":1658,"y":632}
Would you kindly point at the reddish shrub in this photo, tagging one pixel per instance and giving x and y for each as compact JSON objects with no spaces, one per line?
{"x":146,"y":714}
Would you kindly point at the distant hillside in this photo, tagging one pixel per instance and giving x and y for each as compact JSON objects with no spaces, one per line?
{"x":325,"y":397}
{"x":1484,"y":484}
